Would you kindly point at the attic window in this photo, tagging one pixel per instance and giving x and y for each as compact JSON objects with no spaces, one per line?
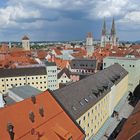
{"x":74,"y":108}
{"x":81,"y":103}
{"x":86,"y":100}
{"x":90,"y":96}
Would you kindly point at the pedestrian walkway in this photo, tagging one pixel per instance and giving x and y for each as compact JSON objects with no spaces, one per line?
{"x":124,"y":112}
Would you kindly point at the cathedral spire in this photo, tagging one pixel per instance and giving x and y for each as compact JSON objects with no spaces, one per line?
{"x":104,"y":27}
{"x":113,"y":30}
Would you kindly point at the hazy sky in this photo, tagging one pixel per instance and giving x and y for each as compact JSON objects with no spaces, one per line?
{"x":67,"y":19}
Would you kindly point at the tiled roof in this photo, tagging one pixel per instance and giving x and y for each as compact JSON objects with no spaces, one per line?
{"x":86,"y":91}
{"x":25,"y":38}
{"x":22,"y":72}
{"x":66,"y":71}
{"x":131,"y":129}
{"x":57,"y":51}
{"x":83,"y":64}
{"x":39,"y":118}
{"x":60,"y":63}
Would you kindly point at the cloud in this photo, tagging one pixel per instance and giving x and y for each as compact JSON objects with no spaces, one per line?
{"x":30,"y":15}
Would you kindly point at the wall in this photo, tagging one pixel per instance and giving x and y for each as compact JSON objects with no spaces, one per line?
{"x":52,"y":77}
{"x":131,"y":65}
{"x":37,"y":81}
{"x":92,"y":120}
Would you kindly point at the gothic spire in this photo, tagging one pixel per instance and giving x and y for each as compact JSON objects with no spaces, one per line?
{"x":104,"y":28}
{"x":113,"y":30}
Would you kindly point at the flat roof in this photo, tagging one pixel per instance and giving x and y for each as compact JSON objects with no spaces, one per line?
{"x":122,"y":58}
{"x":25,"y":91}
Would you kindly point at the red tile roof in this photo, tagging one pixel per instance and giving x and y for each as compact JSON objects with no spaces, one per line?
{"x":54,"y":125}
{"x":132,"y":125}
{"x":58,"y":51}
{"x":59,"y":62}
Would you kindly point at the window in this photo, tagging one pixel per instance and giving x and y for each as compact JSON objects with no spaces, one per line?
{"x":88,"y":125}
{"x":86,"y":100}
{"x":81,"y":103}
{"x":104,"y":64}
{"x":84,"y":118}
{"x":79,"y":122}
{"x":74,"y":108}
{"x":95,"y":117}
{"x":133,"y":66}
{"x":129,"y":65}
{"x":88,"y":114}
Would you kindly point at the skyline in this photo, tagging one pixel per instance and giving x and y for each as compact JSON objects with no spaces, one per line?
{"x":54,"y":20}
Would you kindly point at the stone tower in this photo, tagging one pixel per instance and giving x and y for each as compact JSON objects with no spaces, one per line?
{"x":89,"y":44}
{"x":103,"y":37}
{"x":26,"y":43}
{"x":113,"y":37}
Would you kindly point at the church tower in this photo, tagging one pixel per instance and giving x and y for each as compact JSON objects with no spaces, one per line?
{"x":89,"y":44}
{"x":26,"y":43}
{"x":113,"y":34}
{"x":103,"y":37}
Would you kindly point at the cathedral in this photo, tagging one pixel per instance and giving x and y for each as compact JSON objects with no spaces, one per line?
{"x":109,"y":38}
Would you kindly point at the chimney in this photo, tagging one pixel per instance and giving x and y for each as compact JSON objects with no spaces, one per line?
{"x":32,"y":117}
{"x":10,"y":129}
{"x":33,"y":99}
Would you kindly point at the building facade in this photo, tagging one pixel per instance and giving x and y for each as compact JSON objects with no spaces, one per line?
{"x":52,"y":80}
{"x":64,"y":76}
{"x":92,"y":100}
{"x":132,"y":65}
{"x":34,"y":76}
{"x":26,"y":43}
{"x":89,"y":44}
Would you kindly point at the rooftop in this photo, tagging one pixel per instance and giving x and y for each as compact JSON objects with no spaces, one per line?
{"x":29,"y":71}
{"x":25,"y":38}
{"x":122,"y":58}
{"x":83,"y":63}
{"x":131,"y":129}
{"x":39,"y":118}
{"x":77,"y":98}
{"x":25,"y":91}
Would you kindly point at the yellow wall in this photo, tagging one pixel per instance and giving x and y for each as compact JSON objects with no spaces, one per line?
{"x":38,"y":81}
{"x":121,"y":89}
{"x":96,"y":116}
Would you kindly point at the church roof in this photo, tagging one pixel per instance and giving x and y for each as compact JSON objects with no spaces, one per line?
{"x":25,"y":38}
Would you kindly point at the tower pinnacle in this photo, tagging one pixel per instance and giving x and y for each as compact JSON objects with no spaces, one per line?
{"x":104,"y":27}
{"x":113,"y":30}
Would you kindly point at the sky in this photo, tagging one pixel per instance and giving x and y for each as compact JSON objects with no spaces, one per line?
{"x":58,"y":20}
